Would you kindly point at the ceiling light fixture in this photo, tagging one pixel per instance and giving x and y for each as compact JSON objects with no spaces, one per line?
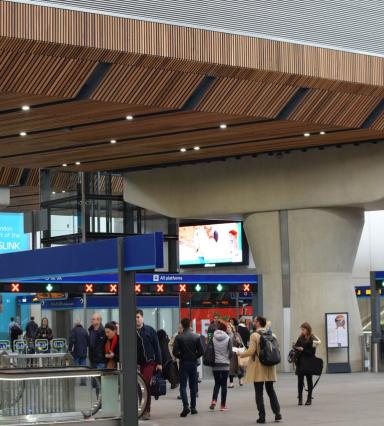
{"x":63,"y":191}
{"x":113,"y":141}
{"x":129,"y":117}
{"x":65,"y":165}
{"x":77,"y":163}
{"x":223,"y":126}
{"x":25,"y":107}
{"x":183,"y":149}
{"x":307,"y":134}
{"x":53,"y":192}
{"x":322,"y":133}
{"x":23,"y":133}
{"x":196,"y":148}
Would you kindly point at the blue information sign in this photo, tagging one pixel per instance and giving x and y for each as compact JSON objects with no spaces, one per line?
{"x":12,"y":237}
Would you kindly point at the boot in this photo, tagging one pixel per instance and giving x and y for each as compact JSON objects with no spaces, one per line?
{"x":309,"y":400}
{"x":300,"y":400}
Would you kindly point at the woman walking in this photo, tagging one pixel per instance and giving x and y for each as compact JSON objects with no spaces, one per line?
{"x":223,"y":354}
{"x":111,"y":348}
{"x":305,"y":348}
{"x":234,"y":367}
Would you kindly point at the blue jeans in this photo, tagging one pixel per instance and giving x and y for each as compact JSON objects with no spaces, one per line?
{"x":188,"y":373}
{"x":81,"y":362}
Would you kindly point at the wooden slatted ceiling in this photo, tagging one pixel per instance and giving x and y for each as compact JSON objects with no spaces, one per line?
{"x":271,"y":132}
{"x":230,"y":151}
{"x":10,"y":101}
{"x":24,"y":198}
{"x":10,"y":176}
{"x":112,"y":38}
{"x":248,"y":98}
{"x":88,"y":136}
{"x":145,"y":86}
{"x":338,"y":109}
{"x":42,"y":75}
{"x":67,"y":114}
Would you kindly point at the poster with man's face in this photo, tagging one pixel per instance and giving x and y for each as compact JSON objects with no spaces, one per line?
{"x":337,"y":330}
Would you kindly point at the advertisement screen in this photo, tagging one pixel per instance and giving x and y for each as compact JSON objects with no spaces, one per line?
{"x":337,"y":330}
{"x":219,"y":243}
{"x":12,"y":237}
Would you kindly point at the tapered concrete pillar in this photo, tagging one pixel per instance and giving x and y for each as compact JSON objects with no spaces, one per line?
{"x":306,"y":262}
{"x":263,"y":235}
{"x":322,"y":246}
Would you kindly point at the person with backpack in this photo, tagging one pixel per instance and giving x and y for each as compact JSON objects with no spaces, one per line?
{"x":264,"y":355}
{"x":30,"y":334}
{"x":305,"y":351}
{"x":188,"y":349}
{"x":14,"y":333}
{"x":222,"y":346}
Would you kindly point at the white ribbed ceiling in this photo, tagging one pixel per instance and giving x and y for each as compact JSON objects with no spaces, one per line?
{"x":354,"y":25}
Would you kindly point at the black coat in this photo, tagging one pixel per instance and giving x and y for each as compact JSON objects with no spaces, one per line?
{"x":31,"y":330}
{"x":97,"y":339}
{"x":148,"y":348}
{"x":78,"y":342}
{"x":245,"y":334}
{"x":187,"y":346}
{"x":44,"y":333}
{"x":308,"y":352}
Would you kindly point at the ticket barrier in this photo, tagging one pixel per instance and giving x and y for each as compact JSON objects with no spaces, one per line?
{"x":48,"y":392}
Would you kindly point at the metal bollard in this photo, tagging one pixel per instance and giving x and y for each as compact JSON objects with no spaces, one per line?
{"x":375,"y":347}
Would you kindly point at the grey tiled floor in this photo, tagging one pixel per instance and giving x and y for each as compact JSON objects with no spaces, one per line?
{"x":346,"y":399}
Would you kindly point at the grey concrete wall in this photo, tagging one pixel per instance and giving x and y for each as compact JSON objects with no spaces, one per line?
{"x":351,"y":176}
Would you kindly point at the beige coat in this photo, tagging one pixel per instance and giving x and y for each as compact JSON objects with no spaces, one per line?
{"x":256,"y":371}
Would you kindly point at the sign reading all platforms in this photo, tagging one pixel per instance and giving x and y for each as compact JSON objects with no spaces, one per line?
{"x":12,"y":237}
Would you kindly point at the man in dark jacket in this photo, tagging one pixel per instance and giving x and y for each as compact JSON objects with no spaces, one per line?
{"x":30,"y":334}
{"x":244,"y":332}
{"x":148,"y":353}
{"x":188,"y":349}
{"x":97,"y":341}
{"x":78,"y":346}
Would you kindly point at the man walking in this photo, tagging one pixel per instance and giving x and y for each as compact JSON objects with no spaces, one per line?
{"x":258,"y":373}
{"x":97,"y":341}
{"x":78,"y":346}
{"x":188,"y":349}
{"x":148,"y":354}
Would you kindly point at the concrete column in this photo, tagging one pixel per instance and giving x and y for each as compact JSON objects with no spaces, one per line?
{"x":263,"y":235}
{"x":323,"y":245}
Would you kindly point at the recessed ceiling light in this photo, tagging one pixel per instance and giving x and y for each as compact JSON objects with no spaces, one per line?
{"x":113,"y":140}
{"x":25,"y":107}
{"x":223,"y":126}
{"x":63,"y":191}
{"x":65,"y":165}
{"x":23,"y":133}
{"x":129,"y":117}
{"x":53,"y":192}
{"x":183,"y":149}
{"x":322,"y":133}
{"x":307,"y":134}
{"x":77,"y":163}
{"x":196,"y":148}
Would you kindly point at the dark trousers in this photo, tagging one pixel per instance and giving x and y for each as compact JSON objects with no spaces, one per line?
{"x":300,"y":384}
{"x":188,"y":374}
{"x":221,"y":381}
{"x":259,"y":393}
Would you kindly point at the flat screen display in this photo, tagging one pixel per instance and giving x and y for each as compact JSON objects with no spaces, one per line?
{"x":211,"y":244}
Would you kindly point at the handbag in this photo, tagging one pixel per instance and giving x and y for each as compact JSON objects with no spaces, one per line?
{"x":243,"y":362}
{"x":311,"y":366}
{"x":158,"y":386}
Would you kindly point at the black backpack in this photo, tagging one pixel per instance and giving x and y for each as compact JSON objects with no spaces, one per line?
{"x":269,"y":354}
{"x":209,"y":354}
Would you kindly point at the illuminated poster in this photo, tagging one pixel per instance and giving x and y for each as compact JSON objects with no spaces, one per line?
{"x":337,"y":330}
{"x":12,"y":237}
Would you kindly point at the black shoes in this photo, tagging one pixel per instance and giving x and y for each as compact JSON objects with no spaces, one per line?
{"x":300,"y":400}
{"x":194,"y":411}
{"x":278,"y":417}
{"x":185,"y":412}
{"x":260,"y":420}
{"x":309,"y":401}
